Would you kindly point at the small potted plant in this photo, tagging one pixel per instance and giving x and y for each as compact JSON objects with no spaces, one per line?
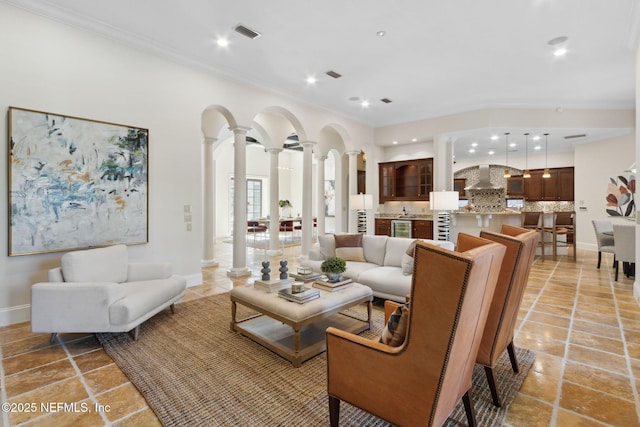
{"x":333,"y":267}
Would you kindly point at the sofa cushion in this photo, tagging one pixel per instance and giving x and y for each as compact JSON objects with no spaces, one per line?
{"x":407,"y":264}
{"x":395,"y":331}
{"x":386,"y":280}
{"x":327,"y":245}
{"x":355,"y":269}
{"x":143,"y":297}
{"x":396,"y":247}
{"x":374,"y":248}
{"x":108,"y":264}
{"x":349,"y":247}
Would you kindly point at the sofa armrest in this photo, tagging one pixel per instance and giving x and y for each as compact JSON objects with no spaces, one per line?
{"x":141,"y":271}
{"x":73,"y":306}
{"x":55,"y":275}
{"x":315,"y":255}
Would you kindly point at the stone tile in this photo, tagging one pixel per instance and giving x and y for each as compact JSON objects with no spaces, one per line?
{"x":82,"y":343}
{"x":597,"y":329}
{"x":105,"y":378}
{"x":539,"y":343}
{"x":70,"y":392}
{"x":19,"y":332}
{"x":25,"y":361}
{"x":547,"y":331}
{"x":598,"y":359}
{"x":144,"y":418}
{"x":553,"y":309}
{"x":39,"y":376}
{"x":568,"y":418}
{"x":597,"y":379}
{"x":540,"y":386}
{"x":83,"y":414}
{"x":122,"y":401}
{"x":29,"y":344}
{"x":547,"y":364}
{"x":600,"y":406}
{"x":549,"y":319}
{"x":93,"y":360}
{"x":527,"y":411}
{"x":596,"y":342}
{"x":596,"y":317}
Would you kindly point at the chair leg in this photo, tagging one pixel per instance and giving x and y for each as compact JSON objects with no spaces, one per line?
{"x":491,"y":379}
{"x":173,"y":308}
{"x":468,"y":408}
{"x":617,"y":264}
{"x":52,"y":339}
{"x":512,"y":356}
{"x":334,"y":411}
{"x":599,"y":259}
{"x":135,"y":333}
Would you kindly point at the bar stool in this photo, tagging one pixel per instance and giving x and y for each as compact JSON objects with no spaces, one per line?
{"x":563,"y":225}
{"x":533,"y":221}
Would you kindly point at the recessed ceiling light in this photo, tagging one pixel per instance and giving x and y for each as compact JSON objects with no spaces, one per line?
{"x":414,"y":139}
{"x":513,"y":144}
{"x":474,"y":144}
{"x":561,"y":51}
{"x":537,"y":147}
{"x":311,"y":80}
{"x":536,"y":138}
{"x":491,"y":152}
{"x":381,"y":33}
{"x":222,"y":42}
{"x":472,"y":150}
{"x":395,"y":142}
{"x":364,"y":104}
{"x":494,"y":137}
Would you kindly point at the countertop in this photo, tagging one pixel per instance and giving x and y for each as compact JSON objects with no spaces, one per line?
{"x":408,"y":217}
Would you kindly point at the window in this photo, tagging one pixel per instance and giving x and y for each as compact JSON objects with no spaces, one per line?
{"x":254,"y":198}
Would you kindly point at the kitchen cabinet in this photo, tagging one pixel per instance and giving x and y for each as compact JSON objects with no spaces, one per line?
{"x":559,"y":187}
{"x":422,"y":229}
{"x":458,"y":185}
{"x":408,"y":180}
{"x":383,"y":227}
{"x":515,"y":185}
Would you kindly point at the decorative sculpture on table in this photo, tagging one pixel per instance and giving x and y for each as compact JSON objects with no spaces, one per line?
{"x":265,"y":271}
{"x":283,"y":269}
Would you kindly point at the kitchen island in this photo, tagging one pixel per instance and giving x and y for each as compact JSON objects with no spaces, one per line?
{"x":473,"y":222}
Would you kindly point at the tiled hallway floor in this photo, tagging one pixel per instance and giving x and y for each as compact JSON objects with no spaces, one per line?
{"x":583,"y":326}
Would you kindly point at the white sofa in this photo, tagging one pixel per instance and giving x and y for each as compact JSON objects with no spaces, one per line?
{"x":383,"y":269}
{"x":99,"y":290}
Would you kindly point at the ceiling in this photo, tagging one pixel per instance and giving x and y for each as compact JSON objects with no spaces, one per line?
{"x":436,"y":57}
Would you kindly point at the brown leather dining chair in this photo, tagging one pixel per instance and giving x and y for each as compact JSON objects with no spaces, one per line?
{"x":422,"y":380}
{"x":514,"y":273}
{"x":533,"y":221}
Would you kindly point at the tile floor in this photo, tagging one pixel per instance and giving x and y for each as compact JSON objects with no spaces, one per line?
{"x":583,"y":326}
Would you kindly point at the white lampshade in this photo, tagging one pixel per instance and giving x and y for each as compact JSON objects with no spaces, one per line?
{"x":444,"y":200}
{"x":361,"y":201}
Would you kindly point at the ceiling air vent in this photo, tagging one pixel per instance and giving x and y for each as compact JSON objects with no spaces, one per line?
{"x":246,"y":31}
{"x":386,"y":100}
{"x":334,"y":74}
{"x":582,"y":135}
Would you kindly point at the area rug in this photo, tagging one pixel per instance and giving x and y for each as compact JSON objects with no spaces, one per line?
{"x":193,"y":370}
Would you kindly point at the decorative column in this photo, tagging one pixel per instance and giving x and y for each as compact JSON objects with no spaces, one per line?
{"x":239,"y":268}
{"x":320,"y":186}
{"x":353,"y":189}
{"x":307,"y":201}
{"x":208,"y":202}
{"x":274,"y":192}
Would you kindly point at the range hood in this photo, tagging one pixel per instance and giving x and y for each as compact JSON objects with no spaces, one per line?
{"x":484,"y":180}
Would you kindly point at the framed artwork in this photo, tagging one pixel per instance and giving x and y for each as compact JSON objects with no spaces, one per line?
{"x":75,"y":183}
{"x":330,"y":198}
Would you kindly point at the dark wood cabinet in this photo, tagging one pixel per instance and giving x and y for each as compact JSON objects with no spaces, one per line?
{"x":559,"y":187}
{"x":407,"y":180}
{"x":515,"y":185}
{"x":422,"y":229}
{"x":383,"y":227}
{"x":458,"y":185}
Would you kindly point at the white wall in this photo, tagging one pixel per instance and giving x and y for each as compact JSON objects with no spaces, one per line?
{"x":55,"y":68}
{"x":595,"y":164}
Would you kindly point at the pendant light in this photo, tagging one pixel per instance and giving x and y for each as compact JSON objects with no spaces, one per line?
{"x":526,"y":173}
{"x":547,"y":173}
{"x":507,"y":171}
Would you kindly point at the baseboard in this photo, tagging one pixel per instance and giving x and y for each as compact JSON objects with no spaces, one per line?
{"x":16,"y":314}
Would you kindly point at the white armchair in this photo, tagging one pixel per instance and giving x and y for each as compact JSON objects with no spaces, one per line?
{"x":98,"y":290}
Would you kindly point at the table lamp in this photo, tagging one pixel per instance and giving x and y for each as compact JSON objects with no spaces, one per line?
{"x":361,"y":202}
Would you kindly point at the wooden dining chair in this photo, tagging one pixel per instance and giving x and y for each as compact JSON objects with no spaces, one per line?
{"x":286,"y":226}
{"x":563,"y":225}
{"x":422,"y":380}
{"x":533,"y":221}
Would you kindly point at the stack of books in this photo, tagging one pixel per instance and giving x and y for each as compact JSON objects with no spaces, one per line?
{"x":299,"y":297}
{"x":308,"y":277}
{"x":273,"y":284}
{"x":332,"y":286}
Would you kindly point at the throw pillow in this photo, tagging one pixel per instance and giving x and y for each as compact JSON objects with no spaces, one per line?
{"x":349,"y":247}
{"x":407,"y":259}
{"x":395,"y":332}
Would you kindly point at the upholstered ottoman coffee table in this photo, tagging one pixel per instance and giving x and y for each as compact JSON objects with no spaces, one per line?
{"x":297,"y":331}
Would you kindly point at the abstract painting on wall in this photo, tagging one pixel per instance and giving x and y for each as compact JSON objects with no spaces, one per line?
{"x":75,"y":183}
